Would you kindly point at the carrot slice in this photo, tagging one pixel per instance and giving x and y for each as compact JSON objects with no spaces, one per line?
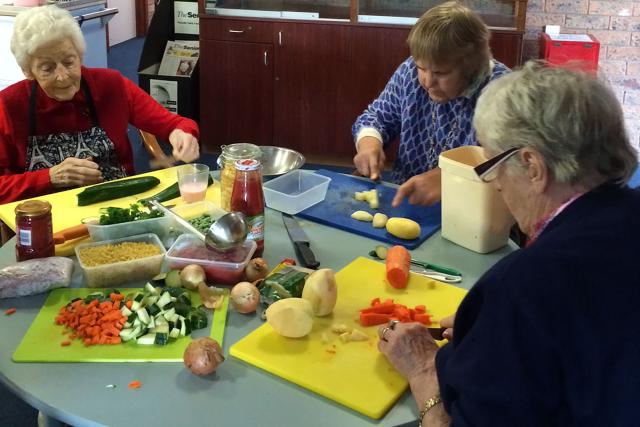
{"x":65,"y":343}
{"x":9,"y":311}
{"x":371,"y":319}
{"x":398,"y":262}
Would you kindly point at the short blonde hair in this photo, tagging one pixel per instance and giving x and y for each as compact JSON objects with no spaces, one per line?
{"x":571,"y":118}
{"x":452,"y":34}
{"x":39,"y":26}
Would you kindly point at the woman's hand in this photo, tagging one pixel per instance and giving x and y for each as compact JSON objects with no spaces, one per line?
{"x":409,"y":347}
{"x":447,"y":322}
{"x":370,"y":158}
{"x":424,"y":189}
{"x":185,"y":146}
{"x":74,"y":172}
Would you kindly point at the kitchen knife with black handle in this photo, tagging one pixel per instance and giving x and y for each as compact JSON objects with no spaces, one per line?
{"x":300,"y":242}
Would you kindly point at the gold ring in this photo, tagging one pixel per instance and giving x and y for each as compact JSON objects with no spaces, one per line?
{"x":383,"y":333}
{"x":392,"y":324}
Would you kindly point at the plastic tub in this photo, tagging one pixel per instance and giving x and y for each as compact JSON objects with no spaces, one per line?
{"x":220,"y":267}
{"x":474,"y":214}
{"x":121,"y":272}
{"x":159,"y":226}
{"x":295,"y":191}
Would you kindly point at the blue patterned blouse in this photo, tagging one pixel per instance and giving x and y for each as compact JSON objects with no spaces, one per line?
{"x":426,"y":128}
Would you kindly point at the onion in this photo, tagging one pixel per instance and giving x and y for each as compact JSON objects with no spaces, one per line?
{"x":191,"y":276}
{"x":245,"y":297}
{"x":256,"y":269}
{"x":203,"y":355}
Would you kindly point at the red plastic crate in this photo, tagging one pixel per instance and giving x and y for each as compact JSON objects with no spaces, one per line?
{"x":582,"y":55}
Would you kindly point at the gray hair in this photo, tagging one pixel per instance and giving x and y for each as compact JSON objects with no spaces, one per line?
{"x":39,"y":26}
{"x":571,"y":118}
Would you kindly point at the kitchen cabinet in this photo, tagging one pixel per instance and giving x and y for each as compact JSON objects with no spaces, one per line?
{"x":300,"y":84}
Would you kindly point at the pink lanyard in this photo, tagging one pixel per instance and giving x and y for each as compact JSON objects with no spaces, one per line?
{"x":539,"y":227}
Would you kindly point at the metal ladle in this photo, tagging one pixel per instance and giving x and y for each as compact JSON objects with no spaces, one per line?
{"x":227,"y":232}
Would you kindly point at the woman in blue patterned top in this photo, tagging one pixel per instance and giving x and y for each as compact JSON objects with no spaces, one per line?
{"x":428,"y":102}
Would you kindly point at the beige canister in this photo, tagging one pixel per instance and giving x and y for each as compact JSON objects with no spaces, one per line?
{"x":474,"y":214}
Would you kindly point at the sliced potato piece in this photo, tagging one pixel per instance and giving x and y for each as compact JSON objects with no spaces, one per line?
{"x":340,"y":328}
{"x":403,"y":228}
{"x":291,"y":317}
{"x":361,"y":196}
{"x":380,"y":220}
{"x":321,"y":291}
{"x":372,"y":198}
{"x":362,"y":216}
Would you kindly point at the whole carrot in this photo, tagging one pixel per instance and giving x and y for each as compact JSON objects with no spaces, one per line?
{"x":398,"y":262}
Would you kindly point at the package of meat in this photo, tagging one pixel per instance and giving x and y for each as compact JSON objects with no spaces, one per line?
{"x":35,"y":276}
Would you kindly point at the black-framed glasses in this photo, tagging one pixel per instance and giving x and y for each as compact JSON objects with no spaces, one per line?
{"x":488,"y":171}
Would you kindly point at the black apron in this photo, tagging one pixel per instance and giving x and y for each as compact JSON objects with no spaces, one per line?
{"x":46,"y":151}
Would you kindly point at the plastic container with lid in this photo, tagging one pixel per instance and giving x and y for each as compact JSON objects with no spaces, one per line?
{"x":224,"y":268}
{"x":295,"y":191}
{"x":230,"y":154}
{"x":116,"y":273}
{"x":474,"y":214}
{"x":34,"y":230}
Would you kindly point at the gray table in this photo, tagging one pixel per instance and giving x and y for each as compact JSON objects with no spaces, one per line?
{"x":238,"y":394}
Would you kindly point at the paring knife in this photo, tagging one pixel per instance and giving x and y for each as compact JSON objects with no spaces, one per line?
{"x":300,"y":242}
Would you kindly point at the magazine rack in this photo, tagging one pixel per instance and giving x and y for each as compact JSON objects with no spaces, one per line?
{"x":179,"y":94}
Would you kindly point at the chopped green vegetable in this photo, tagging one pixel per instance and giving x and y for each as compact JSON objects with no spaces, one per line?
{"x":137,"y":212}
{"x":202,"y":223}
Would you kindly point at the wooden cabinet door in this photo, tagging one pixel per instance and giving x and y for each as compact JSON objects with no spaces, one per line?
{"x":236,"y":97}
{"x":309,"y":64}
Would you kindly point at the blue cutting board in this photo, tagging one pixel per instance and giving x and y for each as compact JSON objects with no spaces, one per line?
{"x":338,"y":205}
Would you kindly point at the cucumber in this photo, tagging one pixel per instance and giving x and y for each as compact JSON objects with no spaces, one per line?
{"x":169,"y":193}
{"x":116,"y":189}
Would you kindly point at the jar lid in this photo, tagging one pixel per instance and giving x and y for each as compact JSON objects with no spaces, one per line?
{"x":247,"y":164}
{"x":33,"y":208}
{"x":240,"y":150}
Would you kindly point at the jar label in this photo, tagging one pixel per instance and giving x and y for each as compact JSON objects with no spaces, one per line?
{"x":24,"y":236}
{"x":256,"y":227}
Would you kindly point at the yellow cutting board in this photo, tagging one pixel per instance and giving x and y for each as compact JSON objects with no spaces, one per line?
{"x":42,"y":341}
{"x":66,"y":213}
{"x":354,"y":374}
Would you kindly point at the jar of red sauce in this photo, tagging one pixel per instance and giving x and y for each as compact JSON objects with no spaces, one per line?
{"x":247,"y":197}
{"x":34,"y":230}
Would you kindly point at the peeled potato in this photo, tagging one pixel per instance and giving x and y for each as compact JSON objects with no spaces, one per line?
{"x":321,"y":291}
{"x":360,"y":195}
{"x":291,"y":317}
{"x":372,"y":198}
{"x":362,"y":216}
{"x":403,"y":228}
{"x":380,"y":220}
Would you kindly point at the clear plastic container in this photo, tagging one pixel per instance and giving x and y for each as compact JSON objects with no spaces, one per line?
{"x":220,"y":267}
{"x":474,"y":214}
{"x":295,"y":191}
{"x":159,"y":226}
{"x":121,"y":272}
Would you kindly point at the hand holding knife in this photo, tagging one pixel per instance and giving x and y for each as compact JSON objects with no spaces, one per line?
{"x":300,"y":242}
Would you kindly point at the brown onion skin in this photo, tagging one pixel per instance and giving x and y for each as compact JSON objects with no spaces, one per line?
{"x":245,"y":297}
{"x":203,"y":356}
{"x":256,"y":269}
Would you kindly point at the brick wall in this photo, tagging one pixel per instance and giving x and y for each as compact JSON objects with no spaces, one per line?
{"x":616,"y":24}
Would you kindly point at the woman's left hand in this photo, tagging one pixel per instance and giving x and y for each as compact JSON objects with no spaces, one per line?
{"x":409,"y":347}
{"x":424,"y":189}
{"x":185,"y":146}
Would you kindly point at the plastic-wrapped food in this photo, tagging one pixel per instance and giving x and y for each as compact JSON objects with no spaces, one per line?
{"x":35,"y":276}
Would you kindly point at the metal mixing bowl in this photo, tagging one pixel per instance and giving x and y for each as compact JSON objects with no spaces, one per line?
{"x":279,"y":160}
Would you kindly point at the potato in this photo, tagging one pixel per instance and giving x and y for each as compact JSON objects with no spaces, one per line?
{"x":372,"y":198}
{"x":380,"y":220}
{"x":362,"y":216}
{"x":291,"y":317}
{"x":403,"y":228}
{"x":361,"y":196}
{"x":321,"y":291}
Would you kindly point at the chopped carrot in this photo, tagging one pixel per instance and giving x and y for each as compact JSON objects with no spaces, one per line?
{"x":135,"y":384}
{"x":375,"y":301}
{"x":116,"y":297}
{"x":370,"y":319}
{"x":384,"y":308}
{"x":382,"y":312}
{"x":9,"y":311}
{"x":398,"y":263}
{"x":129,"y":304}
{"x":65,"y":343}
{"x":423,"y":318}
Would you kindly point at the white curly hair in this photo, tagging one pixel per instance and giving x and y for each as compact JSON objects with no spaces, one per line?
{"x":39,"y":26}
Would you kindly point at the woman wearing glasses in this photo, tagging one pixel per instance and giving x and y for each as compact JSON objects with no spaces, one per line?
{"x":550,"y":335}
{"x":428,"y":102}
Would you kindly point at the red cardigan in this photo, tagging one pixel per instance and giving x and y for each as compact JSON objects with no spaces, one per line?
{"x":118,"y":101}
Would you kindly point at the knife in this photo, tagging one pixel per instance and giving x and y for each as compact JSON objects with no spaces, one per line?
{"x":300,"y":242}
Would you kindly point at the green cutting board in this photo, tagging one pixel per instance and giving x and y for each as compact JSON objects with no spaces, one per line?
{"x":42,"y":341}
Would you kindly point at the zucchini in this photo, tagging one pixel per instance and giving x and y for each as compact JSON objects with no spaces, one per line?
{"x":169,"y":193}
{"x":116,"y":189}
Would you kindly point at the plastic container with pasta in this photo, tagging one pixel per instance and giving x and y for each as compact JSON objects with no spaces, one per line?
{"x":112,"y":263}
